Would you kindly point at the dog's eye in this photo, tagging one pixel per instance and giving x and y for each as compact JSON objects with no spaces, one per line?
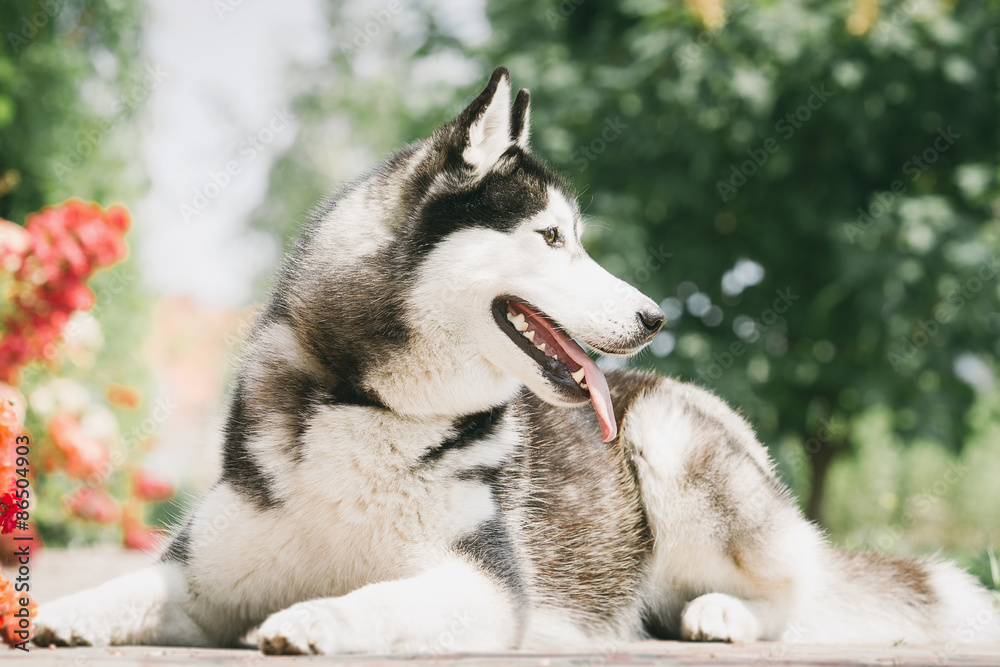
{"x":552,"y":237}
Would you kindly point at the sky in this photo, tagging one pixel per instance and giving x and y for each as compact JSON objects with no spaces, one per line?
{"x":223,"y":103}
{"x":221,"y":116}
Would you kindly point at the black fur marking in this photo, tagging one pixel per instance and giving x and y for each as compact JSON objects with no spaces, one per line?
{"x":297,"y":396}
{"x":499,"y":201}
{"x":349,"y":324}
{"x":488,"y":475}
{"x":468,"y":430}
{"x":239,"y":467}
{"x":519,"y":114}
{"x":490,"y":547}
{"x":179,"y":550}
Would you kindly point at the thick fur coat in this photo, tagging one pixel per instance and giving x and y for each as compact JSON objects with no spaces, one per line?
{"x":418,"y":457}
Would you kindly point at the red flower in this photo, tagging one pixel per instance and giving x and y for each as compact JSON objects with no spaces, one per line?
{"x":64,"y":245}
{"x":147,"y":486}
{"x":10,"y":429}
{"x":8,"y":513}
{"x":93,"y":505}
{"x":85,"y":456}
{"x":137,"y":535}
{"x":122,"y":396}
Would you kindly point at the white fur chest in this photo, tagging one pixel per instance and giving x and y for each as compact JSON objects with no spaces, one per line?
{"x":363,"y":502}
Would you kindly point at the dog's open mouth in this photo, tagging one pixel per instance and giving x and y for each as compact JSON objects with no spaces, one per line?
{"x":563,"y":361}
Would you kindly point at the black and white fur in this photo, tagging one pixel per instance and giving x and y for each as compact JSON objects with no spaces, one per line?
{"x":399,"y":476}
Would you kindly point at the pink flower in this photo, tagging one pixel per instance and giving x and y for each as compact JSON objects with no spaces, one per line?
{"x":93,"y":505}
{"x":147,"y":486}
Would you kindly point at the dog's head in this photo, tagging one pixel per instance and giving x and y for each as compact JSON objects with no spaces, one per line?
{"x":499,"y":272}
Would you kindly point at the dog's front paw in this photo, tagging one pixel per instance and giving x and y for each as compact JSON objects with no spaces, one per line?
{"x":717,"y":617}
{"x":302,"y":629}
{"x":65,"y":623}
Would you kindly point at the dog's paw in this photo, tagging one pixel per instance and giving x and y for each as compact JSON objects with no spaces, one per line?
{"x":302,"y":629}
{"x":717,"y":617}
{"x":64,"y":623}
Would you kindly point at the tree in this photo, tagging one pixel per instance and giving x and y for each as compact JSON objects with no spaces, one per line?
{"x":54,"y":138}
{"x":821,"y":176}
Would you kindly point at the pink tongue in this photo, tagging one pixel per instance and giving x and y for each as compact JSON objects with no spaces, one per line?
{"x":600,"y":395}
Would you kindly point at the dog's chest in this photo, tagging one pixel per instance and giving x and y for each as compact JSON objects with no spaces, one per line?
{"x":378,"y":495}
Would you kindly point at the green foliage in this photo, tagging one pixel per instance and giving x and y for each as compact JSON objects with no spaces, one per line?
{"x":71,"y":78}
{"x":868,"y":162}
{"x":67,"y":69}
{"x":701,"y":104}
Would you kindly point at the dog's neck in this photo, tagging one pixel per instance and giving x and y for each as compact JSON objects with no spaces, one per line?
{"x":427,"y":379}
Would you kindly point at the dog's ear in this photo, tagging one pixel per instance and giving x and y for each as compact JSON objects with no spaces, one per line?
{"x":483,"y":129}
{"x":520,"y":119}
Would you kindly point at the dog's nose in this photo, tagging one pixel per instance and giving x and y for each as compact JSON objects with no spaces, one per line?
{"x":652,"y":319}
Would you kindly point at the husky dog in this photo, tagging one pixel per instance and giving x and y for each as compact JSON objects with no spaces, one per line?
{"x":420,"y":458}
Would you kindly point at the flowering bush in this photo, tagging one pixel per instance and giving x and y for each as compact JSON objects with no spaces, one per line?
{"x":83,"y":456}
{"x":84,"y":478}
{"x":50,"y":261}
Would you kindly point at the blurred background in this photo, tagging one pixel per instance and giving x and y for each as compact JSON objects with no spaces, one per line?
{"x":810,"y":189}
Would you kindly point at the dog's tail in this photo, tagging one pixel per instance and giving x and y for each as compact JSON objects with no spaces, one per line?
{"x":865,"y":597}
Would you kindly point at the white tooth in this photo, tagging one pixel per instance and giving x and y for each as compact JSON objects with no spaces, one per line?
{"x":584,"y":385}
{"x":578,"y":376}
{"x":530,"y":335}
{"x":541,"y":347}
{"x":518,"y":321}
